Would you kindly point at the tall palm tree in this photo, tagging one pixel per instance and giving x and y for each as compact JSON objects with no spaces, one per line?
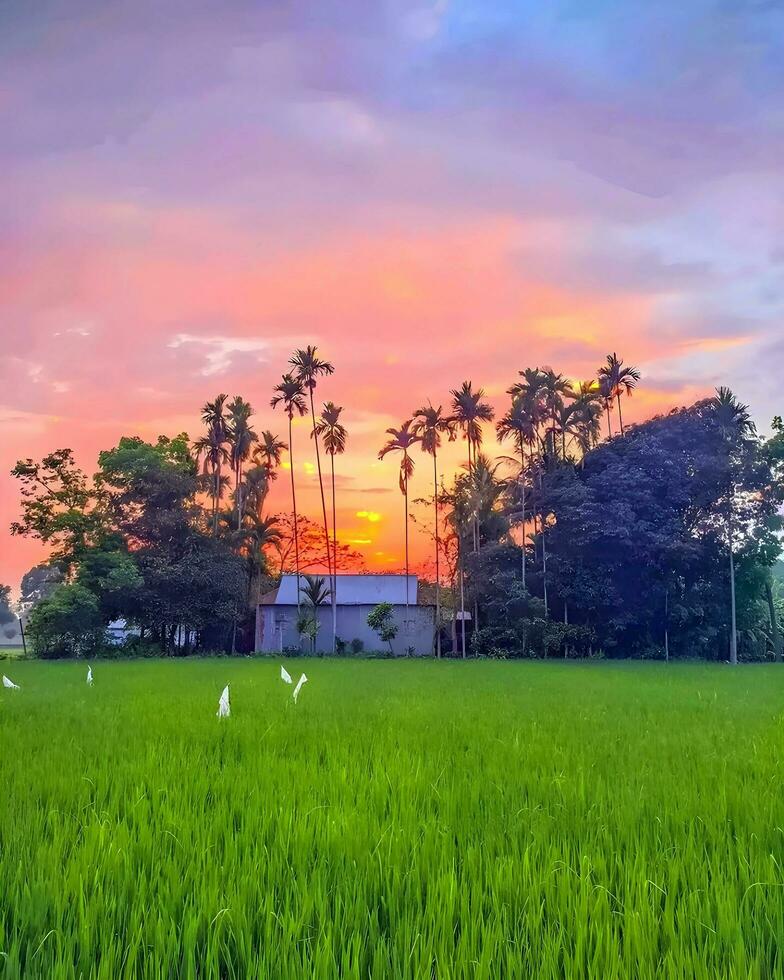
{"x":402,"y":441}
{"x":212,"y":448}
{"x":469,"y":411}
{"x":736,"y":426}
{"x":518,"y":424}
{"x":617,"y":379}
{"x":460,"y":517}
{"x":430,"y":424}
{"x":269,"y":452}
{"x":606,"y":395}
{"x":291,"y":395}
{"x":308,"y":368}
{"x":334,"y":434}
{"x":554,"y":389}
{"x":241,"y":438}
{"x":265,"y":459}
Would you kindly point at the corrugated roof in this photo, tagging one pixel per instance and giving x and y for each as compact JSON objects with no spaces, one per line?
{"x":354,"y":590}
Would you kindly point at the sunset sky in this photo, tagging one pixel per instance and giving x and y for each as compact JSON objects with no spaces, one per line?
{"x":427,"y":191}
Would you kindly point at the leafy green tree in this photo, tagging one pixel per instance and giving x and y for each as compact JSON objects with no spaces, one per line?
{"x":59,"y":507}
{"x":381,"y":621}
{"x":189,"y":582}
{"x":38,"y":582}
{"x":67,"y":624}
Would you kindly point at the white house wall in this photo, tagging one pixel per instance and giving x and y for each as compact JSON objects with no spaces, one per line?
{"x":276,"y":629}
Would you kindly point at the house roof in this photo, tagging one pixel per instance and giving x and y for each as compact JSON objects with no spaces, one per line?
{"x":351,"y":590}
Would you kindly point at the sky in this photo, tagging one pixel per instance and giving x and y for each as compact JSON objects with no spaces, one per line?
{"x":428,"y":191}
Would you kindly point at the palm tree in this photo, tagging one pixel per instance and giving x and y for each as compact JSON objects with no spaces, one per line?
{"x":268,"y":452}
{"x":308,"y":367}
{"x":554,"y":388}
{"x":213,"y":449}
{"x":401,"y":441}
{"x":265,"y":459}
{"x":259,"y":533}
{"x":468,"y":412}
{"x":518,"y":423}
{"x":460,"y":517}
{"x":241,"y":438}
{"x":616,"y":379}
{"x":333,"y":432}
{"x":316,"y":593}
{"x":429,"y":424}
{"x":735,"y":426}
{"x":291,"y":395}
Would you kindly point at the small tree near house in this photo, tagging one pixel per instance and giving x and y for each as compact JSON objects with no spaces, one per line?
{"x":381,"y":622}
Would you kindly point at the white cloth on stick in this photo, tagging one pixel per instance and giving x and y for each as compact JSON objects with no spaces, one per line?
{"x":7,"y":682}
{"x":303,"y":680}
{"x":224,"y":709}
{"x":285,"y":675}
{"x":89,"y":675}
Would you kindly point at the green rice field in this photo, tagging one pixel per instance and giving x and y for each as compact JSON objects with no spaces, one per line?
{"x":405,"y":819}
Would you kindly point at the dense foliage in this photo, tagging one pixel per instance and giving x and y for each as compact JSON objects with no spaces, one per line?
{"x":658,"y":541}
{"x":632,"y":547}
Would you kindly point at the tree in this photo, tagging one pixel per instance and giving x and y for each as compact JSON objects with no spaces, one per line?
{"x":291,"y":395}
{"x":38,"y":582}
{"x":315,"y":592}
{"x":241,"y":437}
{"x":468,"y":412}
{"x":518,"y":424}
{"x":189,"y":581}
{"x":212,"y":448}
{"x":401,"y":441}
{"x":59,"y":507}
{"x":736,"y":428}
{"x":381,"y":621}
{"x":67,"y":624}
{"x":7,"y":615}
{"x":616,"y":379}
{"x":330,"y":429}
{"x":638,"y":540}
{"x":309,"y":367}
{"x":312,"y":556}
{"x":430,"y":424}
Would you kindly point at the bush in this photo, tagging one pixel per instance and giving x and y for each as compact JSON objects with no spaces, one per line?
{"x":357,"y":646}
{"x":67,"y":624}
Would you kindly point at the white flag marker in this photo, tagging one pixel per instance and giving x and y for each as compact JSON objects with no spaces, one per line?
{"x":300,"y":682}
{"x":285,"y":675}
{"x":224,"y":709}
{"x":7,"y":682}
{"x":89,"y":675}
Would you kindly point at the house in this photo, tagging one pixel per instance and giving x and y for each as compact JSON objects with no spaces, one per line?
{"x":357,"y":595}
